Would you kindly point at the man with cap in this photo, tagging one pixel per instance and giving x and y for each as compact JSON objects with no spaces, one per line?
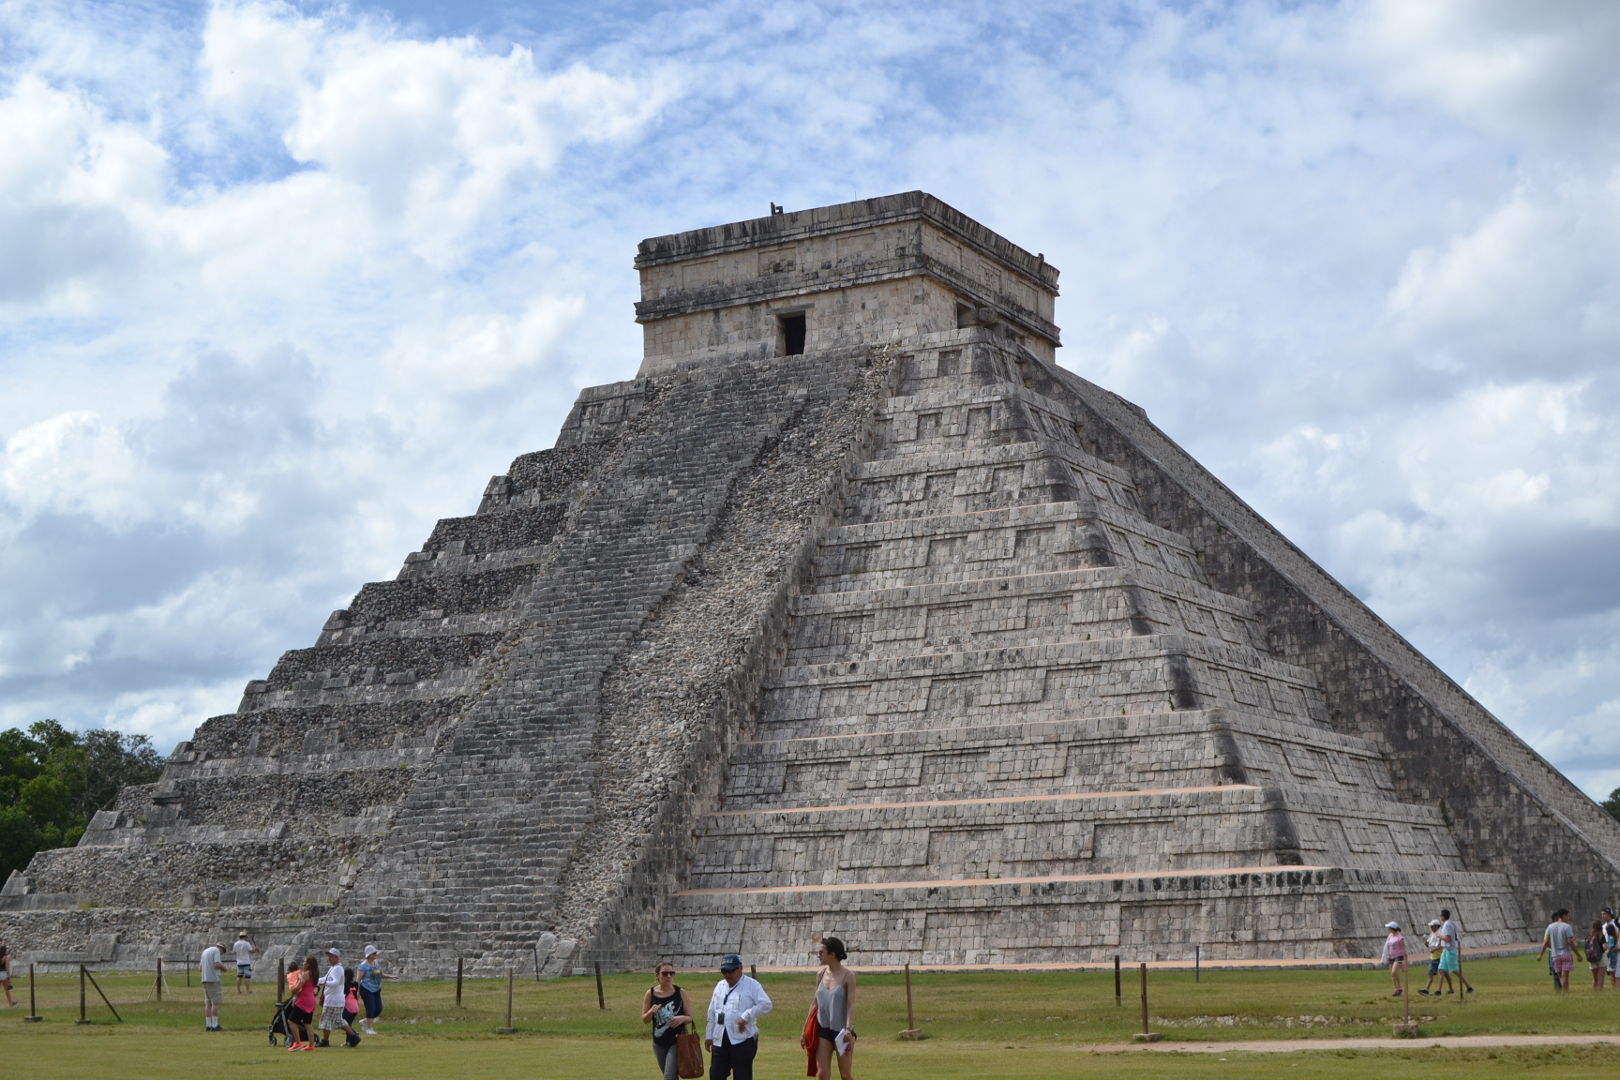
{"x":333,"y":993}
{"x":212,"y":963}
{"x":732,"y":1037}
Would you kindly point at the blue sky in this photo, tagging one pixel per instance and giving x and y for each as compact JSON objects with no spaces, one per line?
{"x":281,"y":284}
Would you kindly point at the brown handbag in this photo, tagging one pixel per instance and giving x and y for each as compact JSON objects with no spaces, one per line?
{"x":689,"y":1055}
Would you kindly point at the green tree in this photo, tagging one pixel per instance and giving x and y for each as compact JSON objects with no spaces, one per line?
{"x":52,"y":781}
{"x":1612,"y":804}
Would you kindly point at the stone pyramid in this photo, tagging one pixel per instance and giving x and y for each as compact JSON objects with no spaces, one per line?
{"x":854,"y":613}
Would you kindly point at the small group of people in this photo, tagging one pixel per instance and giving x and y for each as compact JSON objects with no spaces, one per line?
{"x":342,"y":993}
{"x":1601,"y":949}
{"x":731,"y":1032}
{"x":1445,"y":956}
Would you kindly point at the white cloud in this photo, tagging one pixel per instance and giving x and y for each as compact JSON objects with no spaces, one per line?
{"x":73,"y":463}
{"x":1540,"y":72}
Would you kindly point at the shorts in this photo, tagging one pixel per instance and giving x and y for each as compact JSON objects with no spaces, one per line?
{"x":1565,"y":962}
{"x":1611,"y":960}
{"x":827,"y":1034}
{"x":299,"y":1016}
{"x":1434,"y":965}
{"x":213,"y":993}
{"x":1448,"y":961}
{"x":372,"y":1000}
{"x":244,"y":971}
{"x":331,"y":1017}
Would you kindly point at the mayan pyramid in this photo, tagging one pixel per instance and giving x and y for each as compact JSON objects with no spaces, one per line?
{"x":853,"y":613}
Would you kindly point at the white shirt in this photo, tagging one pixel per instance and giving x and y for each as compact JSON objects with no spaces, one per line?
{"x":333,"y":981}
{"x":244,"y":952}
{"x":210,"y":957}
{"x":728,"y":1004}
{"x":1448,"y":931}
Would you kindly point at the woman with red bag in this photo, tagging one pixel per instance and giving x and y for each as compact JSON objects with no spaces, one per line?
{"x":834,"y":1011}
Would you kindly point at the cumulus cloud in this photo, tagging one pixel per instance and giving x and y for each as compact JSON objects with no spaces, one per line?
{"x":279,"y":284}
{"x":229,"y":303}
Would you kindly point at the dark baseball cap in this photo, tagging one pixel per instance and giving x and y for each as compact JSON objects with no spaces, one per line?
{"x":730,"y":962}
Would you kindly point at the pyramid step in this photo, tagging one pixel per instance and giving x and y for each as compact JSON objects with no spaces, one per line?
{"x":1164,"y":750}
{"x":997,"y":543}
{"x":1083,"y":832}
{"x":1121,"y":676}
{"x":984,"y":477}
{"x":1297,"y":912}
{"x":1030,"y":609}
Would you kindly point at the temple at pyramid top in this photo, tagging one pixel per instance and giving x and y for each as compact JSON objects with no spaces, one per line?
{"x":869,"y":272}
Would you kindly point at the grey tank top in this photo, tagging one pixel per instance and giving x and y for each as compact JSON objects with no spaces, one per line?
{"x":831,"y":1007}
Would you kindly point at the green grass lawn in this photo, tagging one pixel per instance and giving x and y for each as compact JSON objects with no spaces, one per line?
{"x":1024,"y":1025}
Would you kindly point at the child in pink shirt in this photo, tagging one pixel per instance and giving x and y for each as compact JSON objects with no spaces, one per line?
{"x":1395,"y":954}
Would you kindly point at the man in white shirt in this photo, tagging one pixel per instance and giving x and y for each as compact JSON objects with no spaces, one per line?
{"x":212,"y":963}
{"x":332,"y":1001}
{"x":732,"y":1036}
{"x":244,"y":950}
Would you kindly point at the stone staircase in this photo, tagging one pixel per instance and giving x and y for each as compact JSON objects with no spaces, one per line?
{"x":1014,"y":724}
{"x":444,"y":772}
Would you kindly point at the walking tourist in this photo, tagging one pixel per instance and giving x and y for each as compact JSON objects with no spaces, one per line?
{"x":835,"y":1011}
{"x":1595,"y":950}
{"x":732,"y":1034}
{"x":667,"y":1008}
{"x":371,"y":977}
{"x":1435,"y":949}
{"x":212,"y":963}
{"x":5,"y":974}
{"x":332,"y":1001}
{"x":301,"y":1013}
{"x":351,"y":998}
{"x":1395,"y":954}
{"x":1451,"y":942}
{"x":1611,"y":947}
{"x":1560,"y":938}
{"x":244,"y":950}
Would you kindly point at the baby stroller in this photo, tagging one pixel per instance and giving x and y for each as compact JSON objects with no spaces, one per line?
{"x":280,"y":1024}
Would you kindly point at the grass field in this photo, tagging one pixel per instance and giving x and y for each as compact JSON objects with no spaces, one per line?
{"x":1004,"y":1024}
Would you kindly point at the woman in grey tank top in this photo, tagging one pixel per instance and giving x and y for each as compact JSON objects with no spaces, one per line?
{"x":835,"y":1011}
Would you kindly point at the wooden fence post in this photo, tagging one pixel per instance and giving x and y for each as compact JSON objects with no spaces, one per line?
{"x":83,"y":1019}
{"x":508,"y":1029}
{"x":459,"y":962}
{"x":1146,"y":1035}
{"x":33,"y":1016}
{"x":911,"y":1023}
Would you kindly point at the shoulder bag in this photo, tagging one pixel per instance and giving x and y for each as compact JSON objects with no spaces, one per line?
{"x":689,"y":1055}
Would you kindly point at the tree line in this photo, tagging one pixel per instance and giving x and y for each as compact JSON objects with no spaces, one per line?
{"x":52,"y":782}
